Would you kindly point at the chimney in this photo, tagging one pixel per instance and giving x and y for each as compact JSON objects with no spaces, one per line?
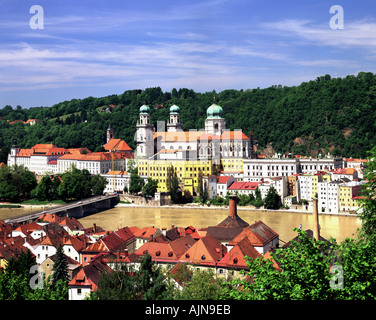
{"x":316,"y":226}
{"x":233,"y":200}
{"x":94,"y":227}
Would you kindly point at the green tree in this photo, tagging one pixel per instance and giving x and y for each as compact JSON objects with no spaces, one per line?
{"x":172,"y":183}
{"x":151,"y":279}
{"x":257,"y":202}
{"x":98,"y":184}
{"x":203,"y":285}
{"x":272,"y":199}
{"x":368,"y":212}
{"x":118,"y":285}
{"x":305,"y":274}
{"x":45,"y":190}
{"x":136,"y":183}
{"x":125,"y":283}
{"x":60,"y":268}
{"x":150,"y":188}
{"x":76,"y":184}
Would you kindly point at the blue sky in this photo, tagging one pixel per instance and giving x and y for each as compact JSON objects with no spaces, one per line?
{"x":97,"y":48}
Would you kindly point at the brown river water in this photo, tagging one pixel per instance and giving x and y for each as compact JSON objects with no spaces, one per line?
{"x":338,"y":227}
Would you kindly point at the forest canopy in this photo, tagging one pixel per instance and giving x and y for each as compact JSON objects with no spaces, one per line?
{"x":335,"y":115}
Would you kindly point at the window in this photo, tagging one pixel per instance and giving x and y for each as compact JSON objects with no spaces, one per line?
{"x":79,"y":291}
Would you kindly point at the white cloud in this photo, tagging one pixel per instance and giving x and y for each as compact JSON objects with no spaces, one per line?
{"x":355,"y":33}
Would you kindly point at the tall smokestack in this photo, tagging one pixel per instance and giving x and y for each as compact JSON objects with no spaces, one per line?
{"x":233,"y":200}
{"x":316,"y":226}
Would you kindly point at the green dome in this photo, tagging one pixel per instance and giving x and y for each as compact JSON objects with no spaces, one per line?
{"x":174,"y":109}
{"x":144,"y":109}
{"x":214,"y":111}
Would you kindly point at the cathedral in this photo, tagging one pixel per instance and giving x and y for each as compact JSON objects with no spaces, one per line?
{"x":214,"y":142}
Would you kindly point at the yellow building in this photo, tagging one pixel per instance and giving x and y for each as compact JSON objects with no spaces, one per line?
{"x":348,"y":192}
{"x":187,"y":171}
{"x":232,"y":165}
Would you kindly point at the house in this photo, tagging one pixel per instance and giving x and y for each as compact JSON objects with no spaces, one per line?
{"x":117,"y":181}
{"x":234,"y":260}
{"x":243,"y":187}
{"x":70,"y":224}
{"x":120,"y":240}
{"x":87,"y":280}
{"x":144,"y":235}
{"x":347,"y":195}
{"x":262,"y":237}
{"x":5,"y":229}
{"x":328,"y":196}
{"x":349,"y":173}
{"x":166,"y":252}
{"x":73,"y":245}
{"x":72,"y":266}
{"x":223,"y":182}
{"x":210,"y":181}
{"x":206,"y":252}
{"x":25,"y":229}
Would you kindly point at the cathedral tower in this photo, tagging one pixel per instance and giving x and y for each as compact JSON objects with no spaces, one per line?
{"x":214,"y":123}
{"x":145,"y":134}
{"x":174,"y":124}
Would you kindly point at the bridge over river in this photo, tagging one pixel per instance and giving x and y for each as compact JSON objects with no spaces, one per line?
{"x":77,"y":209}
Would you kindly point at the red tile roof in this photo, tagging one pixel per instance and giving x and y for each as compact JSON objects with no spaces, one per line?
{"x":90,"y":275}
{"x":258,"y":233}
{"x":117,"y":145}
{"x":144,"y":233}
{"x":222,"y":179}
{"x":93,"y":156}
{"x":111,"y":242}
{"x":235,"y":258}
{"x":206,"y":251}
{"x":233,"y":135}
{"x":244,"y":186}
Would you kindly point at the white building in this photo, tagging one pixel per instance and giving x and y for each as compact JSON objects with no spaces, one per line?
{"x":116,"y":181}
{"x":328,"y":196}
{"x":256,"y":169}
{"x":305,"y":187}
{"x":94,"y":162}
{"x":223,"y":182}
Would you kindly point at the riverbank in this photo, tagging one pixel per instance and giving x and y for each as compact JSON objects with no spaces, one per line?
{"x":239,"y":208}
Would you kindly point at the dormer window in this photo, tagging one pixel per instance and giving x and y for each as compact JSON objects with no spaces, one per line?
{"x":203,"y":257}
{"x":158,"y":253}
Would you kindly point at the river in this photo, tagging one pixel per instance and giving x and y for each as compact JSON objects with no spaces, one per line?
{"x":282,"y":222}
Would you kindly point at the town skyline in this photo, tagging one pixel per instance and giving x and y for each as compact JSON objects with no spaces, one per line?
{"x":70,"y":50}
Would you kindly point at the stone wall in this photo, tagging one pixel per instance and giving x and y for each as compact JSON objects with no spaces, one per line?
{"x":163,"y":201}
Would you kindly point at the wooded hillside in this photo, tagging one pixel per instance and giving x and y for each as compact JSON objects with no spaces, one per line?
{"x":323,"y":115}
